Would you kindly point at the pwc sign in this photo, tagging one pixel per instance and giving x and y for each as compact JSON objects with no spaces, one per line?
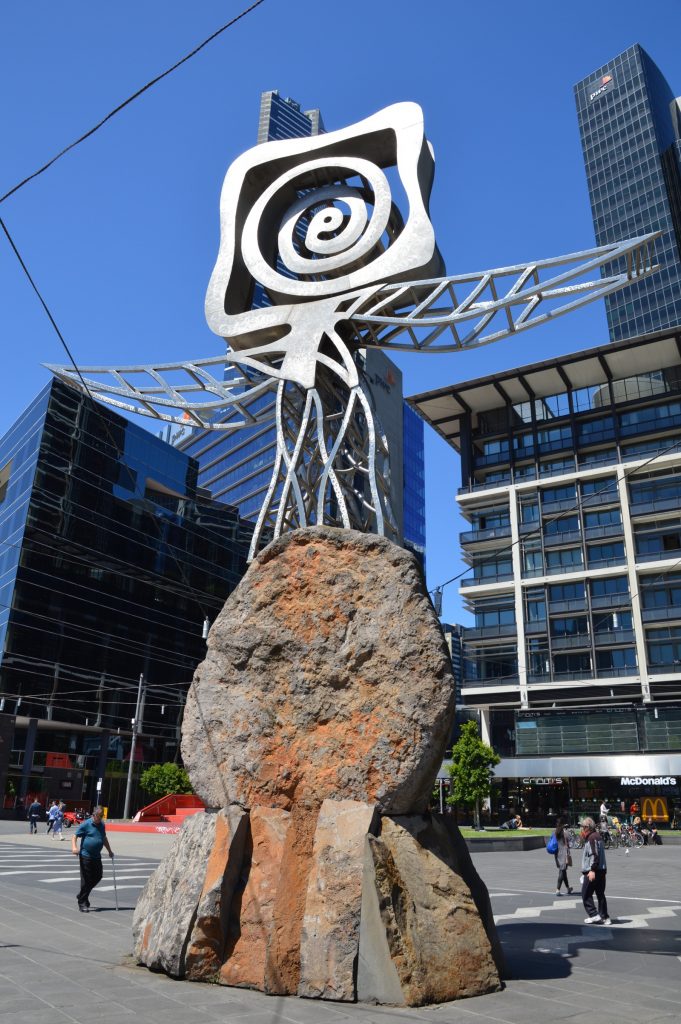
{"x":604,"y":84}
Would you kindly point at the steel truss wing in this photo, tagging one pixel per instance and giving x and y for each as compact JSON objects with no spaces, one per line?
{"x":208,"y":393}
{"x":452,"y":313}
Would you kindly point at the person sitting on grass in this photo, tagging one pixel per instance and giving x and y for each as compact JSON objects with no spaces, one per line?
{"x":513,"y":823}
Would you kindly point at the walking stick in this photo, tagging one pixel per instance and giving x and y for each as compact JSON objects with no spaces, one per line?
{"x":113,"y":868}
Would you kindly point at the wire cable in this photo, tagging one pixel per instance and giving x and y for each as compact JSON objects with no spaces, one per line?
{"x":97,"y":411}
{"x":130,"y":99}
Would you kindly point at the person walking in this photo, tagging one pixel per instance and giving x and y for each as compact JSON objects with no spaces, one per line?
{"x":92,"y":834}
{"x":562,"y":856}
{"x":57,"y":822}
{"x":594,"y":870}
{"x":34,"y":813}
{"x":51,"y":816}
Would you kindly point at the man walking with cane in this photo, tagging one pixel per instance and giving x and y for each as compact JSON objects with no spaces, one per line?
{"x":92,"y":834}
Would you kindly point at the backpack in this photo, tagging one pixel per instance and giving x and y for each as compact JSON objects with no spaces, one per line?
{"x":552,"y":845}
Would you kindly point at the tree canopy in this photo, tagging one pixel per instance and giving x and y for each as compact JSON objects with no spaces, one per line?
{"x":471,"y":768}
{"x":163,"y":779}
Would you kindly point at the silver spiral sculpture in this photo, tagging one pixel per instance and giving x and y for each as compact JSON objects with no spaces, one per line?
{"x":315,"y":224}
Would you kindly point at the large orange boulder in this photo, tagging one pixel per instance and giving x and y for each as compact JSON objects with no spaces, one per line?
{"x":326,"y":676}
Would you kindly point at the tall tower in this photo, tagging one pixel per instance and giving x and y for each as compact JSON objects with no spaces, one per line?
{"x":629,"y":125}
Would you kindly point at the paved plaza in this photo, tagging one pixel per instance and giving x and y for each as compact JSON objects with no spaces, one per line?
{"x":57,"y":965}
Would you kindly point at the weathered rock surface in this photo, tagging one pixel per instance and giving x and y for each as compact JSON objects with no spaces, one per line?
{"x":422,"y":939}
{"x":326,"y":677}
{"x":206,"y":946}
{"x":252,"y":913}
{"x":330,"y":935}
{"x":165,"y":913}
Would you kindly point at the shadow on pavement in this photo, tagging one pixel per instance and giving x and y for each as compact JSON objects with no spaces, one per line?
{"x":542,"y":952}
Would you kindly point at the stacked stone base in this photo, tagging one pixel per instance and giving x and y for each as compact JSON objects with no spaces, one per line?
{"x":334,"y":902}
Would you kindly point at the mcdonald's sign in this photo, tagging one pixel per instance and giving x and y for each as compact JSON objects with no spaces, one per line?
{"x":654,"y":807}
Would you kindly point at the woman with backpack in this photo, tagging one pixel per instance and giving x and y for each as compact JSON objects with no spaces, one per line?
{"x":559,"y":847}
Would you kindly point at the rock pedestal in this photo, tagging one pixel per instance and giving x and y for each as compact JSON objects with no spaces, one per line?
{"x":313,"y":731}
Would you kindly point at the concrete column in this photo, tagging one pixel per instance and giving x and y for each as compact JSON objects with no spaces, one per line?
{"x":31,"y":734}
{"x":516,"y":557}
{"x":485,"y":733}
{"x":630,"y":553}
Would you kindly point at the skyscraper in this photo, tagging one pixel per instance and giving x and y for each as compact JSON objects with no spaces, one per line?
{"x":110,"y":558}
{"x":629,"y":124}
{"x":238,"y":468}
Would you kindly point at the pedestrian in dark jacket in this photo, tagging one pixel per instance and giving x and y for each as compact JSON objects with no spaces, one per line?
{"x":34,"y":812}
{"x":92,"y":835}
{"x":594,"y":871}
{"x":562,"y":856}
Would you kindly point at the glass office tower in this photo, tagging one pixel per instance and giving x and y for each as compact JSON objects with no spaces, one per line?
{"x":629,"y":126}
{"x":110,"y":558}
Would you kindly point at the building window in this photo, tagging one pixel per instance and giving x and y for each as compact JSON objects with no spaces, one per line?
{"x":555,"y":467}
{"x":605,"y":554}
{"x":552,"y":407}
{"x":567,"y":591}
{"x":619,"y":660}
{"x":603,"y":487}
{"x":572,"y":664}
{"x":611,"y":622}
{"x":566,"y":492}
{"x":609,"y":586}
{"x":535,"y":605}
{"x":565,"y":524}
{"x":595,"y":430}
{"x":564,"y":558}
{"x":584,"y":399}
{"x":664,"y":648}
{"x":664,"y":593}
{"x":574,"y":625}
{"x":659,"y":542}
{"x":529,"y":509}
{"x":533,"y":561}
{"x":606,"y":517}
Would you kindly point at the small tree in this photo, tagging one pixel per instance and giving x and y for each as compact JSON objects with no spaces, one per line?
{"x":471,"y":770}
{"x":163,"y":779}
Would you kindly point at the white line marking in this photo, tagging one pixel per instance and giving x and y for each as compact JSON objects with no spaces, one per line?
{"x":611,"y":895}
{"x":70,"y":878}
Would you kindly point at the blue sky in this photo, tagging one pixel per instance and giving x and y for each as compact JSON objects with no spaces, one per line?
{"x":121,"y":235}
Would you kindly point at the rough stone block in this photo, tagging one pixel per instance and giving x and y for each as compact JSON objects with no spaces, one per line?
{"x":205,"y":949}
{"x":282,"y":969}
{"x":164,"y":915}
{"x":330,"y":934}
{"x":253,"y":902}
{"x":421,"y":931}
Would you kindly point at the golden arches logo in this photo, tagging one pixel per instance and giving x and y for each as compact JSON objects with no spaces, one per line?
{"x":654,"y":807}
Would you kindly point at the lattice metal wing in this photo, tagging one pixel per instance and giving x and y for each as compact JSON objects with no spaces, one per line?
{"x":452,"y":313}
{"x":208,"y":393}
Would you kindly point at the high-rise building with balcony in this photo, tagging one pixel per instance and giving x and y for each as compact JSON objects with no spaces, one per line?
{"x":571,"y":484}
{"x":238,"y":468}
{"x":629,"y":125}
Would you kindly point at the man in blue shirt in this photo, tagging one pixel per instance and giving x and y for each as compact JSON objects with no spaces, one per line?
{"x":92,"y":835}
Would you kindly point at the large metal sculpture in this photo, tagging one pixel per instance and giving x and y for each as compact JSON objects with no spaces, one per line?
{"x":316,"y":224}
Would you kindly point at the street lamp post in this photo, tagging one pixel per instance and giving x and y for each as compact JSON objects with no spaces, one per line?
{"x":133,"y":744}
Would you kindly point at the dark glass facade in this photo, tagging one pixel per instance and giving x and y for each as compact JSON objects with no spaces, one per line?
{"x":414,"y":479}
{"x":628,"y":122}
{"x":110,"y":560}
